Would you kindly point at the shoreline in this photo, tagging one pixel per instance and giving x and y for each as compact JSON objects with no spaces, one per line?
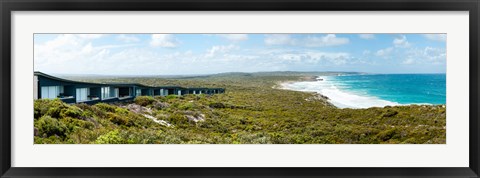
{"x":316,"y":95}
{"x":279,"y":84}
{"x":340,"y":105}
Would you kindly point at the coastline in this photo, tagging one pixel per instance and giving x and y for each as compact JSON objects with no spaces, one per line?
{"x":279,"y":85}
{"x":316,"y":95}
{"x":348,"y":100}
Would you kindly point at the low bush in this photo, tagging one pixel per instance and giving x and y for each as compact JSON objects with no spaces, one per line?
{"x":118,"y":119}
{"x":47,"y":106}
{"x":217,"y":105}
{"x":112,"y":137}
{"x":144,"y":100}
{"x":169,"y":97}
{"x":75,"y":124}
{"x":187,"y":106}
{"x":48,"y":126}
{"x":71,"y":111}
{"x":105,"y":107}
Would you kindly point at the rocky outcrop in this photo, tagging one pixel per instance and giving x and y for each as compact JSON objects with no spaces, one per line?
{"x":138,"y":109}
{"x":159,"y":121}
{"x":198,"y":118}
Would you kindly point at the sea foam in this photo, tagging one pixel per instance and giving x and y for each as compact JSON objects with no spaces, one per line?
{"x":338,"y":97}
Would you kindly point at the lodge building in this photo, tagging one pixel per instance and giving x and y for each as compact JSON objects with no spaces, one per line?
{"x":69,"y":91}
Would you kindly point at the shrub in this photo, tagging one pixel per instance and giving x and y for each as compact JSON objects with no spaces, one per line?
{"x":392,"y":133}
{"x":169,"y":97}
{"x":71,"y":111}
{"x":47,"y":106}
{"x":74,"y":124}
{"x":56,"y":109}
{"x":143,"y":136}
{"x":160,"y":98}
{"x":54,"y":112}
{"x":389,"y":113}
{"x":178,"y":119}
{"x":117,"y":119}
{"x":112,"y":137}
{"x":187,"y":106}
{"x":217,"y":105}
{"x":105,"y":107}
{"x":48,"y":126}
{"x":200,"y":96}
{"x":278,"y":138}
{"x":49,"y":140}
{"x":144,"y":100}
{"x":121,"y":111}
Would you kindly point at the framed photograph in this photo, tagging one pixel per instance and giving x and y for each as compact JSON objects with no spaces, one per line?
{"x":239,"y":89}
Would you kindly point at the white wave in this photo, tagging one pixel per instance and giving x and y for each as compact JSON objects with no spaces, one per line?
{"x":338,"y":97}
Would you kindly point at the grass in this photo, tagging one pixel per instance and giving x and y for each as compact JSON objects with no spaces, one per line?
{"x":252,"y":111}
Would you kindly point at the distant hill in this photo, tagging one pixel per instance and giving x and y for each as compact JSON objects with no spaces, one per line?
{"x":192,"y":76}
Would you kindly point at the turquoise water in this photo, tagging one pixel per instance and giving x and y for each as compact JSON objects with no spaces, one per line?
{"x":377,"y":90}
{"x":399,"y":88}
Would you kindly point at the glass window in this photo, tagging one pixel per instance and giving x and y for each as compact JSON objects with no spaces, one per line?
{"x":82,"y":94}
{"x":139,"y":92}
{"x":105,"y":92}
{"x":115,"y":92}
{"x":109,"y":92}
{"x":44,"y":93}
{"x":51,"y":92}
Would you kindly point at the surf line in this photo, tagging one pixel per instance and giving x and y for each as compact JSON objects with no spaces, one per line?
{"x":336,"y":96}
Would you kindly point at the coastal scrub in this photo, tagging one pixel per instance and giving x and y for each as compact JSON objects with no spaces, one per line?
{"x":254,"y":110}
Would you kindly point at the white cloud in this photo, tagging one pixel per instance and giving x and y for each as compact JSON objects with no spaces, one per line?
{"x":233,"y":58}
{"x":436,"y":37}
{"x":66,"y":52}
{"x":312,"y":57}
{"x":82,"y":55}
{"x":310,"y":41}
{"x":215,"y":50}
{"x":327,"y":40}
{"x":367,"y":36}
{"x":164,"y":40}
{"x":408,"y":61}
{"x":384,"y":52}
{"x":435,"y":55}
{"x":235,"y":37}
{"x":279,"y":39}
{"x":90,"y":36}
{"x":401,"y":42}
{"x":334,"y":58}
{"x":72,"y":54}
{"x":290,"y":57}
{"x":427,"y":55}
{"x":127,"y":38}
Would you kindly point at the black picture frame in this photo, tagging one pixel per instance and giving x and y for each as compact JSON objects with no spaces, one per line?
{"x":7,"y":6}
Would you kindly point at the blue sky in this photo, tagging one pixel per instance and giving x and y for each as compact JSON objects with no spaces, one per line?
{"x":177,"y":54}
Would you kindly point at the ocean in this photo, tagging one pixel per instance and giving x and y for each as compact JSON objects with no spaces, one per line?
{"x":377,"y":90}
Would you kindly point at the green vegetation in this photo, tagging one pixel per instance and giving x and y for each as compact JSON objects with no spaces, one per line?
{"x":252,"y":111}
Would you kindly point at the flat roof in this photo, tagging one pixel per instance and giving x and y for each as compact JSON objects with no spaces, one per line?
{"x":63,"y":80}
{"x":37,"y":73}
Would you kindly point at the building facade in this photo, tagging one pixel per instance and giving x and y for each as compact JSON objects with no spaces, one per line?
{"x":69,"y":91}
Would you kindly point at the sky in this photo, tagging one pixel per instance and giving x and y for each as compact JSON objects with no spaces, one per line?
{"x":191,"y":54}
